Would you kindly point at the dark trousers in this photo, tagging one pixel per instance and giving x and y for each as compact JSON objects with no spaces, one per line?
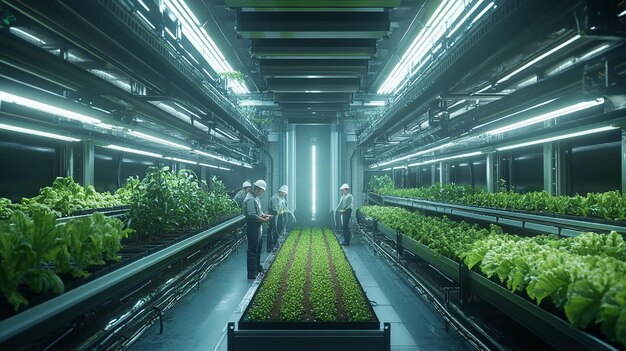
{"x":345,"y":222}
{"x":275,"y":228}
{"x":255,"y":243}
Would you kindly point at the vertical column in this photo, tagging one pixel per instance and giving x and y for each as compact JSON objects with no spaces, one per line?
{"x":623,"y":161}
{"x":88,"y":163}
{"x":548,"y":168}
{"x":203,"y":173}
{"x":489,"y":163}
{"x":334,"y":165}
{"x":290,"y":157}
{"x":560,"y":160}
{"x":67,"y":160}
{"x":433,"y":171}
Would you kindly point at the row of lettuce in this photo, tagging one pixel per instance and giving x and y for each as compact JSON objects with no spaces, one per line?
{"x":584,"y":276}
{"x":300,"y":285}
{"x":37,"y":252}
{"x":609,"y":205}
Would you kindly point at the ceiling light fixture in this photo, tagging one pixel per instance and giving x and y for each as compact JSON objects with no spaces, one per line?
{"x":555,"y":138}
{"x":144,"y":5}
{"x":8,"y":97}
{"x":181,"y":160}
{"x":469,"y":13}
{"x":446,"y":158}
{"x":226,"y":134}
{"x":539,"y":58}
{"x":418,"y":53}
{"x":24,"y":33}
{"x":134,"y":151}
{"x":406,"y":157}
{"x":201,"y":40}
{"x":547,"y":116}
{"x":36,"y":132}
{"x":157,"y":140}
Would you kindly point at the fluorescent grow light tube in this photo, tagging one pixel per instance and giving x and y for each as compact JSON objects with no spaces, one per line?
{"x":182,"y":160}
{"x":157,"y":140}
{"x":539,"y":58}
{"x":547,"y":116}
{"x":555,"y":138}
{"x":201,"y":40}
{"x":406,"y":157}
{"x":8,"y":97}
{"x":446,"y":158}
{"x":28,"y":35}
{"x":36,"y":132}
{"x":134,"y":151}
{"x":228,"y":135}
{"x":200,"y":152}
{"x":447,"y":12}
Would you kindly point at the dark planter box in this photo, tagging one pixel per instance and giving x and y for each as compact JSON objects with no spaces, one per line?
{"x":309,"y":336}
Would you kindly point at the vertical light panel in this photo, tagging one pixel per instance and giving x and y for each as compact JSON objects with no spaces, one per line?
{"x":313,"y":181}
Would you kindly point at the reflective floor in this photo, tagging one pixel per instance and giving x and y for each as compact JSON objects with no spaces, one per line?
{"x":198,"y":321}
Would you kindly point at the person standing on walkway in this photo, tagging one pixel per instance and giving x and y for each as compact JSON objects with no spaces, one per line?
{"x":254,"y":219}
{"x":241,"y":194}
{"x":278,"y":209}
{"x":345,"y":210}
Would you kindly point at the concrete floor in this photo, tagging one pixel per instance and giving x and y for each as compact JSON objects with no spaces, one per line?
{"x":198,"y":321}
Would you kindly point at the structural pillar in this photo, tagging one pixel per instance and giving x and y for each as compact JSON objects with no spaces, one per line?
{"x":548,"y":168}
{"x":88,"y":163}
{"x":489,"y":163}
{"x":623,"y":168}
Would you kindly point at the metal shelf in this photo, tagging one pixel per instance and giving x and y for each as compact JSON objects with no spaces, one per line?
{"x":549,"y":327}
{"x":47,"y":317}
{"x":541,"y":223}
{"x":546,"y":325}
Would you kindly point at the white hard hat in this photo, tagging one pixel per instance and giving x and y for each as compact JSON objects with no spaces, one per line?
{"x":246,"y":184}
{"x":345,"y":186}
{"x":284,"y":189}
{"x":260,"y":184}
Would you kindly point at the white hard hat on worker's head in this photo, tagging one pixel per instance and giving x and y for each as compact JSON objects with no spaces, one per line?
{"x":345,"y":186}
{"x":260,"y":184}
{"x":246,"y":184}
{"x":284,"y":189}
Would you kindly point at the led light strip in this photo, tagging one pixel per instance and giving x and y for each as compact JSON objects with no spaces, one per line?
{"x":134,"y":151}
{"x":412,"y":155}
{"x":446,"y":158}
{"x":8,"y":97}
{"x":201,"y":40}
{"x":559,"y":137}
{"x":539,"y":58}
{"x":446,"y":13}
{"x":157,"y":140}
{"x":36,"y":132}
{"x":547,"y":116}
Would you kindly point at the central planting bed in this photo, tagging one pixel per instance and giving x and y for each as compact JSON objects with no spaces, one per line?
{"x":309,"y":299}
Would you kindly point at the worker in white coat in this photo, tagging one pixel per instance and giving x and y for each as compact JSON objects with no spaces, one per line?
{"x":278,"y":209}
{"x":345,"y":210}
{"x":241,"y":194}
{"x":254,"y":219}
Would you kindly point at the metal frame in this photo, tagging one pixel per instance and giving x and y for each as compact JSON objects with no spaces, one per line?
{"x":546,"y":325}
{"x":542,"y":223}
{"x":49,"y":316}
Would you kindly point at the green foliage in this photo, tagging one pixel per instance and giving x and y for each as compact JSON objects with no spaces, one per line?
{"x":261,"y":309}
{"x":380,"y":184}
{"x":164,"y":202}
{"x":322,"y":294}
{"x":233,"y":75}
{"x":6,"y":17}
{"x":610,"y":205}
{"x":61,"y":199}
{"x":584,"y":276}
{"x":33,"y":251}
